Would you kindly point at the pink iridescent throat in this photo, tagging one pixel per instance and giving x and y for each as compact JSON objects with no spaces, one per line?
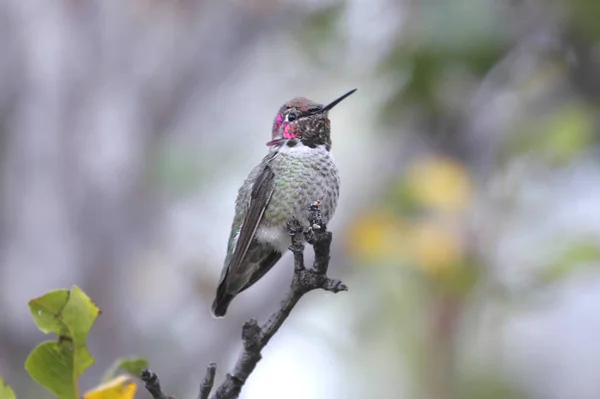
{"x":289,"y":131}
{"x":278,"y":123}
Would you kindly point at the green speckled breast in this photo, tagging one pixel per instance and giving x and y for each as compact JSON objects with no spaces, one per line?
{"x":302,"y":176}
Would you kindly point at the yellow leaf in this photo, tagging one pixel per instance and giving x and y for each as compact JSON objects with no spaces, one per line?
{"x":121,"y":387}
{"x":440,"y":183}
{"x":434,"y":248}
{"x":377,"y":237}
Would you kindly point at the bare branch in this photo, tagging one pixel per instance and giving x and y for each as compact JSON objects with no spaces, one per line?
{"x":305,"y":280}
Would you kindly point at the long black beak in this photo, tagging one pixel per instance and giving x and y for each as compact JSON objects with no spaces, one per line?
{"x":335,"y":102}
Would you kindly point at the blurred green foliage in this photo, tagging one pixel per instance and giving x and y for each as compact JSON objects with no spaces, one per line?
{"x":490,"y":386}
{"x":573,"y":258}
{"x":560,"y":136}
{"x":444,"y":52}
{"x":177,"y":170}
{"x":320,"y":31}
{"x":583,"y":17}
{"x":432,"y":44}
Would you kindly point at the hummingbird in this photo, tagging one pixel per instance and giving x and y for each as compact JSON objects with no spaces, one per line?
{"x":298,"y":170}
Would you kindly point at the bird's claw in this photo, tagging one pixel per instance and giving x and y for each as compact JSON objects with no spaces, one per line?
{"x":294,"y":227}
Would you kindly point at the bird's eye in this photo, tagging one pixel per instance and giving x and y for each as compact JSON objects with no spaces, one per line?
{"x":291,"y":117}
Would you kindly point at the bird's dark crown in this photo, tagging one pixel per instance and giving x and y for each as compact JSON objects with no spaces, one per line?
{"x":303,"y":120}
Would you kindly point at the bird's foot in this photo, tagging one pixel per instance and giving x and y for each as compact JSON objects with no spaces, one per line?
{"x":315,"y":219}
{"x":294,"y":230}
{"x":296,"y":246}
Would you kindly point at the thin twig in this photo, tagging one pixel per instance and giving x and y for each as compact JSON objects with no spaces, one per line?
{"x":152,"y":384}
{"x":208,"y":381}
{"x":255,"y":337}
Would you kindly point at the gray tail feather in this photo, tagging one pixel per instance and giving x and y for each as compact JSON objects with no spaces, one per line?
{"x":260,"y":260}
{"x":221,"y":302}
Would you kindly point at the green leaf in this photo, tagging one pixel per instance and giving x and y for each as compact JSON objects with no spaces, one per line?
{"x":45,"y":309}
{"x":5,"y":391}
{"x":57,"y":365}
{"x":132,"y":366}
{"x":51,"y":364}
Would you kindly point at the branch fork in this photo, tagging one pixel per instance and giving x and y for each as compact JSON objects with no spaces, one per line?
{"x":255,"y":337}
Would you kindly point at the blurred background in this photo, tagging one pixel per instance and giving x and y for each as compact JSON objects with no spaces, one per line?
{"x":468,"y":228}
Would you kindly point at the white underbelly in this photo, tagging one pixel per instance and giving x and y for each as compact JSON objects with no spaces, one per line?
{"x":277,"y":236}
